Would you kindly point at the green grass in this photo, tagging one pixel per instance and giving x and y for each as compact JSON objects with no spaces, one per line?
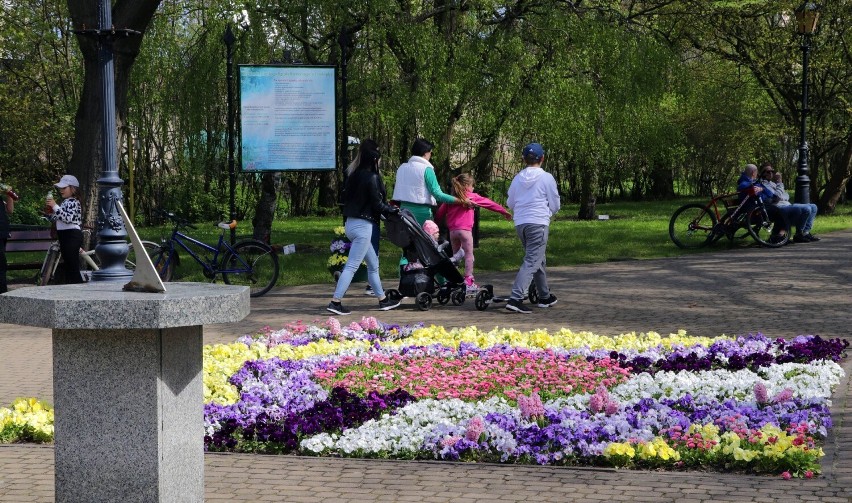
{"x":633,"y":231}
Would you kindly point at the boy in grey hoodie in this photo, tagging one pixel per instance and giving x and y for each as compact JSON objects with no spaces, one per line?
{"x":533,"y":199}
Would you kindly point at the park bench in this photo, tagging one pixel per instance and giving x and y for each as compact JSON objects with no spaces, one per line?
{"x":28,"y":239}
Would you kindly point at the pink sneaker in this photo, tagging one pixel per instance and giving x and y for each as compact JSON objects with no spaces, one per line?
{"x":471,"y":285}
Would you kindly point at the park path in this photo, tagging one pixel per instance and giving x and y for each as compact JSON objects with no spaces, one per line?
{"x":798,"y":289}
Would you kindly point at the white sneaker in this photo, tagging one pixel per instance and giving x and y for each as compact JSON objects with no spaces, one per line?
{"x":369,"y":291}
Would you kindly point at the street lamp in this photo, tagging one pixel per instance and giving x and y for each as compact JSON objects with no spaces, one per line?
{"x":807,"y":16}
{"x":228,"y":38}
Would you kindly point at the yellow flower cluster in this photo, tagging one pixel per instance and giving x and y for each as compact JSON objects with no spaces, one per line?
{"x":657,"y":449}
{"x":33,"y":417}
{"x":619,"y":449}
{"x":564,"y":338}
{"x":775,"y":444}
{"x":337,"y":259}
{"x":222,"y":360}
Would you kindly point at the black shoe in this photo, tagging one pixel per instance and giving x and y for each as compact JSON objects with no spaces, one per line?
{"x":548,"y":301}
{"x":337,"y":308}
{"x":369,"y":291}
{"x":387,"y":303}
{"x":801,"y":238}
{"x":777,"y":238}
{"x":811,"y":237}
{"x":517,"y":306}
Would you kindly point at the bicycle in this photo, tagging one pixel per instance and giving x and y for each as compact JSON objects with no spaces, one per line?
{"x":695,"y":225}
{"x":88,"y":261}
{"x":249,"y":262}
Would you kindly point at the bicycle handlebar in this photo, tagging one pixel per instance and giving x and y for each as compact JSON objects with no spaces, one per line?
{"x":179,"y":221}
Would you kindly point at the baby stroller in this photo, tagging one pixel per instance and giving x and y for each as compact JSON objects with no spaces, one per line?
{"x":404,"y":231}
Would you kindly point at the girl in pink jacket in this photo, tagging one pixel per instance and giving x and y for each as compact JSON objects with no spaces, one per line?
{"x":459,"y":220}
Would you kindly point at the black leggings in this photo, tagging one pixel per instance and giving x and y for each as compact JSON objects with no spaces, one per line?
{"x":70,"y":242}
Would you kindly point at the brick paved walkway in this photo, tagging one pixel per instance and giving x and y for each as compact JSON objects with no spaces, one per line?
{"x":708,"y":294}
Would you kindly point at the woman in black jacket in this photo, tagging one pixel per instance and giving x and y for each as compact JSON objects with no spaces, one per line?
{"x":364,"y":202}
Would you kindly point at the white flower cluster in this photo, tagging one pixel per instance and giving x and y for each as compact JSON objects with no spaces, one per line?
{"x":403,"y":433}
{"x":807,"y":380}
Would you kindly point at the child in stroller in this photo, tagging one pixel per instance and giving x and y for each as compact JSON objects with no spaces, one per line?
{"x":420,"y":283}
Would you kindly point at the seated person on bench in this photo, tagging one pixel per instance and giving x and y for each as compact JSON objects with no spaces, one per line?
{"x":748,"y":179}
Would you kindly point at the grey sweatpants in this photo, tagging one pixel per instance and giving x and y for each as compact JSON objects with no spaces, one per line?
{"x":534,"y":239}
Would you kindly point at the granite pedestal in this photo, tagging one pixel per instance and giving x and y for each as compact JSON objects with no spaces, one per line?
{"x":127,"y":384}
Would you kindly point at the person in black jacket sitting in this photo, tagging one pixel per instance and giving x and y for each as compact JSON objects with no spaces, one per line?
{"x":364,"y":202}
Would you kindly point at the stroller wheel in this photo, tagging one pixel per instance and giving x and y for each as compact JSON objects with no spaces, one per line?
{"x":533,"y":294}
{"x":393,"y":294}
{"x":458,"y":297}
{"x":443,"y":297}
{"x":424,"y":301}
{"x":482,"y":299}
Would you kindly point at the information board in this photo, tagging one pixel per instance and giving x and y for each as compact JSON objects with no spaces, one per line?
{"x":287,"y":118}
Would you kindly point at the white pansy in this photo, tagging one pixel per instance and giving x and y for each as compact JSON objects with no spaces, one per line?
{"x":404,"y":431}
{"x":807,"y":380}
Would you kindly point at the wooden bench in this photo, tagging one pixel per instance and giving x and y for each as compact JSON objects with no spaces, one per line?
{"x":31,"y":239}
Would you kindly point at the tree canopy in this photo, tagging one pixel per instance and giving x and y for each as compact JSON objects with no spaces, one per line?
{"x":640,"y":99}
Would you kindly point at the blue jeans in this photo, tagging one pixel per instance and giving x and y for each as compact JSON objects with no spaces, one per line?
{"x":810,"y":211}
{"x":796,"y":215}
{"x":534,"y":239}
{"x":360,"y":232}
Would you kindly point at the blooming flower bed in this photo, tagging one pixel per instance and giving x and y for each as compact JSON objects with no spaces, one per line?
{"x":748,"y":403}
{"x":367,"y":389}
{"x":27,"y":420}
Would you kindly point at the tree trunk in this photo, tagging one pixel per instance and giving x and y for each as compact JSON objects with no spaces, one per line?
{"x":265,"y":209}
{"x":840,"y":175}
{"x":588,"y":189}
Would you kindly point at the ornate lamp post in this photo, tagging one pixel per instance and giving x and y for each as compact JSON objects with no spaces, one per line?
{"x":807,"y":16}
{"x":112,"y":235}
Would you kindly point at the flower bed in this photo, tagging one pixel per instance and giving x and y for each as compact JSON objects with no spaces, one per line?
{"x":27,"y":420}
{"x":750,"y":404}
{"x":339,"y":249}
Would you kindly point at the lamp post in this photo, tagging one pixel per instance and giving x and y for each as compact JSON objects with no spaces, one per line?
{"x":807,"y":16}
{"x":228,"y":38}
{"x":111,"y":249}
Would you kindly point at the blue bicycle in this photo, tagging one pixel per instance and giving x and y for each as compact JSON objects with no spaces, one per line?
{"x":249,"y":262}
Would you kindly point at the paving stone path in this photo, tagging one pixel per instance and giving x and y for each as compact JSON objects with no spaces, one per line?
{"x":798,"y":289}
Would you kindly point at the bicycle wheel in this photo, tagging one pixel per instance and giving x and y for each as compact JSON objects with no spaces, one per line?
{"x":253,"y":264}
{"x":691,"y":226}
{"x":130,"y":261}
{"x":761,"y":228}
{"x":48,"y":267}
{"x":164,"y":259}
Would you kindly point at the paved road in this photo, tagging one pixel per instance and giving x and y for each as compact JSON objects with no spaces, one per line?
{"x":710,"y":294}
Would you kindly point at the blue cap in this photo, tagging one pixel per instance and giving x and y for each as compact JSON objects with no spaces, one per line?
{"x":534,"y":150}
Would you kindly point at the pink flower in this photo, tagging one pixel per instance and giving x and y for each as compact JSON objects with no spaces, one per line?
{"x":786,"y":475}
{"x":450,"y":441}
{"x":530,"y":406}
{"x":333,"y":325}
{"x":809,"y":474}
{"x":785,"y":395}
{"x":474,"y":429}
{"x":760,"y":393}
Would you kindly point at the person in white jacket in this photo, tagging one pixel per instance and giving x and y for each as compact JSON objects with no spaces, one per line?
{"x":533,"y":199}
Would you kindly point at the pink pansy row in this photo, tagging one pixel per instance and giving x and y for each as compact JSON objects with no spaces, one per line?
{"x":472,"y":376}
